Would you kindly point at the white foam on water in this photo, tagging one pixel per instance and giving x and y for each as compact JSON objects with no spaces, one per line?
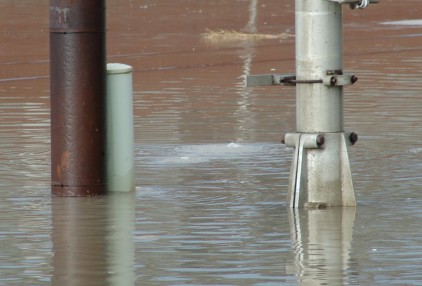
{"x":208,"y":152}
{"x":415,"y":150}
{"x":233,"y":145}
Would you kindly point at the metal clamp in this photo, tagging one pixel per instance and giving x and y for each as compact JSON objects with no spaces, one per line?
{"x":339,"y":79}
{"x":293,"y":81}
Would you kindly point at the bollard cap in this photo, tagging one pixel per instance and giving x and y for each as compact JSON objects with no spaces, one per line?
{"x":116,"y":68}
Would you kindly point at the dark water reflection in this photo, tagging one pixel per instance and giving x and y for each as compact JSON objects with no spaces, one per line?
{"x":211,"y":175}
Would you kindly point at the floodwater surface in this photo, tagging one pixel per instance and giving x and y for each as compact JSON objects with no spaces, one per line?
{"x":211,"y":174}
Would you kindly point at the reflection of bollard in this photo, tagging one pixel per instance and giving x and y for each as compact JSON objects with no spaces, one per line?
{"x":320,"y":175}
{"x":77,"y":59}
{"x":119,"y":113}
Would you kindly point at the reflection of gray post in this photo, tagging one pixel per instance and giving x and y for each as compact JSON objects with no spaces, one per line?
{"x":121,"y":248}
{"x":320,"y":173}
{"x":251,"y":26}
{"x":321,"y":241}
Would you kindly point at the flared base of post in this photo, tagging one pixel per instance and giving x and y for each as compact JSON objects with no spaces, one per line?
{"x":78,"y":191}
{"x":320,"y":175}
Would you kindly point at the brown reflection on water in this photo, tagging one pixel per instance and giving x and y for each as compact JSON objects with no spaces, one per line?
{"x":92,"y":240}
{"x":79,"y":242}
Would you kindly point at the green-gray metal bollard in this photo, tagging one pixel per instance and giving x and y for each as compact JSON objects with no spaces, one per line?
{"x":119,"y":117}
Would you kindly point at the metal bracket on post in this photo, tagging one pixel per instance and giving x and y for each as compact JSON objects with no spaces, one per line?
{"x":360,"y":4}
{"x":268,"y":79}
{"x":332,"y":78}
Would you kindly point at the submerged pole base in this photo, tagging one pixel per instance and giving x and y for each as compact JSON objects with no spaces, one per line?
{"x":78,"y":191}
{"x":320,"y":174}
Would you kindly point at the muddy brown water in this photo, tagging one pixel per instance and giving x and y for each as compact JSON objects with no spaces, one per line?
{"x":211,"y":176}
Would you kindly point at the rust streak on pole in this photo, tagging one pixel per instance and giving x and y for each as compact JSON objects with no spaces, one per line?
{"x":78,"y":83}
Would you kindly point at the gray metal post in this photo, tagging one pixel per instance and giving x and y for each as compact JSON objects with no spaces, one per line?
{"x":318,"y":50}
{"x":320,"y":174}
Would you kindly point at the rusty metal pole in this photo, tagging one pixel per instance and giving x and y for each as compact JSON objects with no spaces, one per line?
{"x":78,"y":89}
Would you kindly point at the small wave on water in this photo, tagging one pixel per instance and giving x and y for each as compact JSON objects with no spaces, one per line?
{"x":168,"y":155}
